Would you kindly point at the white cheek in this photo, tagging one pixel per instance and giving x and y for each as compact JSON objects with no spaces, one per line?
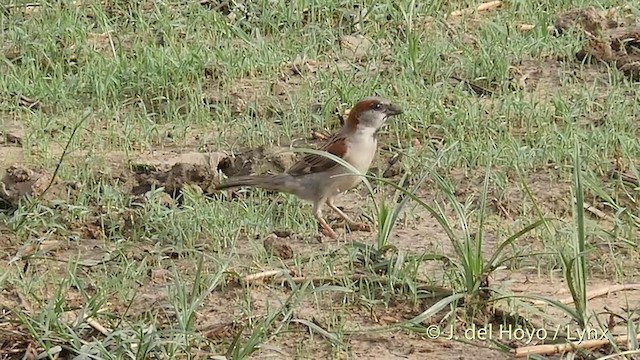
{"x":375,"y":119}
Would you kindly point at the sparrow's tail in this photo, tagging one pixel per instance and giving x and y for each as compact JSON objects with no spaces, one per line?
{"x":283,"y":183}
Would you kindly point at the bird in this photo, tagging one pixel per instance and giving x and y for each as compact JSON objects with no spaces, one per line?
{"x":319,"y":179}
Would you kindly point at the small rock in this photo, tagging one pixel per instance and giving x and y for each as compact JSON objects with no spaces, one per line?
{"x":14,"y":137}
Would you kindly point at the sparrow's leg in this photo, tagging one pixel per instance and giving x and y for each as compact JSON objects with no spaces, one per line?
{"x":352,"y":224}
{"x":317,"y":213}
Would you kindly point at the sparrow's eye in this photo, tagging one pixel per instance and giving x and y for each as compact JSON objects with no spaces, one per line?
{"x":377,"y":106}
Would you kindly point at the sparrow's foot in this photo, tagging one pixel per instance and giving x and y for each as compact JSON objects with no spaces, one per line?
{"x":327,"y":230}
{"x":352,"y":224}
{"x":330,"y":233}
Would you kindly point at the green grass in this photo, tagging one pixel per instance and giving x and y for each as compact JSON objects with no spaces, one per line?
{"x":167,"y":278}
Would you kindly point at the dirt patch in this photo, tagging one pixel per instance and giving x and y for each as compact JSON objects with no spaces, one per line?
{"x":278,"y":246}
{"x":613,"y":37}
{"x":170,"y":171}
{"x":10,"y":155}
{"x":544,"y":77}
{"x":260,"y":160}
{"x":173,"y":173}
{"x":19,"y":182}
{"x":550,"y":190}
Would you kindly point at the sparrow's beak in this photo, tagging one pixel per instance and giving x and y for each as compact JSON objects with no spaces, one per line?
{"x":393,"y":109}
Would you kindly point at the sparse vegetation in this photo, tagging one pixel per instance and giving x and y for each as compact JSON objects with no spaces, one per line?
{"x":505,"y":197}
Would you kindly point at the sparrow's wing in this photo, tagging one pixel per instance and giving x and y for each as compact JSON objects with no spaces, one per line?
{"x":312,"y":163}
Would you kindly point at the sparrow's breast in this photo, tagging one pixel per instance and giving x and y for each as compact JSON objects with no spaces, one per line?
{"x":360,"y":154}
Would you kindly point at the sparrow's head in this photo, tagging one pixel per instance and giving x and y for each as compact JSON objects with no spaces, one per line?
{"x":371,"y":112}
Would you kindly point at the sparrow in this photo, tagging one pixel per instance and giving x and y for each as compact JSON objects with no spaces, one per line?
{"x":319,"y":179}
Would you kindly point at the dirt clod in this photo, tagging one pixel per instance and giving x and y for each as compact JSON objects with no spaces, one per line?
{"x":14,"y":136}
{"x":165,"y":162}
{"x":173,"y":172}
{"x":174,"y":180}
{"x":587,"y":19}
{"x":613,"y":37}
{"x":257,"y":161}
{"x":20,"y":181}
{"x":278,"y":247}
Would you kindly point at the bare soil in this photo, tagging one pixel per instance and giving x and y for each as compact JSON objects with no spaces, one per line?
{"x":218,"y":319}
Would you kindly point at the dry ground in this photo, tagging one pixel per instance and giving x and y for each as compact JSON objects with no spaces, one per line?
{"x":103,"y":259}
